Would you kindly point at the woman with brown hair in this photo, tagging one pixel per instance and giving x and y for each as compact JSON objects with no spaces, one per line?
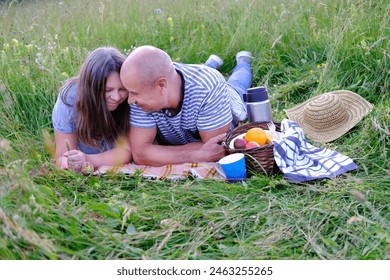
{"x":91,"y":115}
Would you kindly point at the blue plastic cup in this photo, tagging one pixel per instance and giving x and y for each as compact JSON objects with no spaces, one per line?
{"x":233,"y":167}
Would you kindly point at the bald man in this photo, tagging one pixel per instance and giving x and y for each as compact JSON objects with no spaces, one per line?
{"x":181,"y":112}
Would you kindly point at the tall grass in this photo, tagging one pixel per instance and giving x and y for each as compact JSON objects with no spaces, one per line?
{"x":300,"y":49}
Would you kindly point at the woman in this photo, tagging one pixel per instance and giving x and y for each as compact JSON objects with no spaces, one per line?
{"x":91,"y":115}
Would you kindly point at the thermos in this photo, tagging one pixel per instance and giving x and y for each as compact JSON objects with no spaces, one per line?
{"x":258,"y":105}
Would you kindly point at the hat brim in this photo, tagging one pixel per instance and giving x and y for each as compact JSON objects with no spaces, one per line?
{"x":356,"y":108}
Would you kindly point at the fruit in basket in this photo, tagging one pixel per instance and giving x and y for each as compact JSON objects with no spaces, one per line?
{"x":270,"y":137}
{"x":239,"y":143}
{"x":256,"y":134}
{"x":251,"y":144}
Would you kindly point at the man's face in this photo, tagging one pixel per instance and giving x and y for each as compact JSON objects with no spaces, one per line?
{"x":147,"y":97}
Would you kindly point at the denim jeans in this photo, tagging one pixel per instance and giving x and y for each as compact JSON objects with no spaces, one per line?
{"x":240,"y":79}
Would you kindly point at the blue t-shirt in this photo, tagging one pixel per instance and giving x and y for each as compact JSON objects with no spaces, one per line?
{"x":206,"y":106}
{"x":64,"y":121}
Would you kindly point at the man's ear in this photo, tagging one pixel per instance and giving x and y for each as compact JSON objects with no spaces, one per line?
{"x":162,"y":83}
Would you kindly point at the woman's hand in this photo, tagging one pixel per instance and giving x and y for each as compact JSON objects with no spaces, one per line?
{"x":76,"y":160}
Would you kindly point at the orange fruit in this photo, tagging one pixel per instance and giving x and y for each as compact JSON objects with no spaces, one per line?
{"x":257,"y":135}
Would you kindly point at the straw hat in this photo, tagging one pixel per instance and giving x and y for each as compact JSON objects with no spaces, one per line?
{"x":328,"y":116}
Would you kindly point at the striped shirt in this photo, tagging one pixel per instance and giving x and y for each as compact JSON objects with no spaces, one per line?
{"x":206,"y":106}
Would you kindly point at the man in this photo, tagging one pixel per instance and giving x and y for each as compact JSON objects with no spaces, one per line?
{"x":180,"y":112}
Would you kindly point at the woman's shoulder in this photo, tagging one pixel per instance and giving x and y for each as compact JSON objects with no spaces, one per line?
{"x":68,"y":94}
{"x":63,"y":115}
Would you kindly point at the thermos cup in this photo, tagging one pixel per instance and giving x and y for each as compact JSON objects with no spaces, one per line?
{"x":258,"y":105}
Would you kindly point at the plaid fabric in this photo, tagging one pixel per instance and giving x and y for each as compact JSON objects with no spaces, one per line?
{"x":199,"y":170}
{"x":300,"y":161}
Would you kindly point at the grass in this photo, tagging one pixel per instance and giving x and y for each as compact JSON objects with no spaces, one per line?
{"x":300,"y":48}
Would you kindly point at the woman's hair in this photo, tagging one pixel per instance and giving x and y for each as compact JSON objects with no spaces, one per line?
{"x":94,"y":121}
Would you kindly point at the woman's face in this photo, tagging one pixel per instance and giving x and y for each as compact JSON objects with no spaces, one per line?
{"x":115,"y":91}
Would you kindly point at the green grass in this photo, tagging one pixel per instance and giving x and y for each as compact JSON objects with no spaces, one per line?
{"x":300,"y":48}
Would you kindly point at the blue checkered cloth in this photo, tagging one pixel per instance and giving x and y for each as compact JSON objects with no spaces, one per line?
{"x":300,"y":161}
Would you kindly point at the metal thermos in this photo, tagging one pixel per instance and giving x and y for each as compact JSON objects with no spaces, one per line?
{"x":258,"y":105}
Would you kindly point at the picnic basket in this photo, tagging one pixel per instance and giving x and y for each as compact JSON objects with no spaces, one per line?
{"x":259,"y":159}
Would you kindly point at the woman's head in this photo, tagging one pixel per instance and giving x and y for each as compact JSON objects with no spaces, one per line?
{"x":98,"y":81}
{"x":101,"y":102}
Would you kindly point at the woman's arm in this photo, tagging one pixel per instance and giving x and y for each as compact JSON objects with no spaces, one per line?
{"x":120,"y":154}
{"x":69,"y":157}
{"x":64,"y":142}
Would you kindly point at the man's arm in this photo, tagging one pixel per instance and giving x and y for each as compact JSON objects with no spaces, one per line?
{"x":206,"y":136}
{"x":146,"y":152}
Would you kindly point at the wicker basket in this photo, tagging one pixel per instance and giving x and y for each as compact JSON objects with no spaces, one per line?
{"x":259,"y":159}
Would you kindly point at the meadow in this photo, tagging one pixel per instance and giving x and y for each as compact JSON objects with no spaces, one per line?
{"x":300,"y":48}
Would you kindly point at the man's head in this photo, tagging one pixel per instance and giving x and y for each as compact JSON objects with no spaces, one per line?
{"x":146,"y":74}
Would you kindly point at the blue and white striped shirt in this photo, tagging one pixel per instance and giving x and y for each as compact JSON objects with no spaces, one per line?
{"x":206,"y":106}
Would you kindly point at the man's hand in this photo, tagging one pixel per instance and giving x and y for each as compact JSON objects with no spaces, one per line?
{"x":212,"y":150}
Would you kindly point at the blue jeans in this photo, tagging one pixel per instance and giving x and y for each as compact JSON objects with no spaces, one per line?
{"x":240,"y":79}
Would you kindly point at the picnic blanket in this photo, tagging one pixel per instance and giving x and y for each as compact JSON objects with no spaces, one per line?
{"x":300,"y":161}
{"x":297,"y":159}
{"x":200,"y":170}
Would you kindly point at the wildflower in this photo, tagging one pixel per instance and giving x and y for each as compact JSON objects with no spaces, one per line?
{"x":311,"y":72}
{"x":353,"y":219}
{"x":5,"y":145}
{"x":323,"y":65}
{"x":48,"y":143}
{"x":29,"y":47}
{"x":15,"y":42}
{"x":359,"y":196}
{"x":144,"y":196}
{"x":312,"y":22}
{"x":3,"y":88}
{"x":5,"y":47}
{"x":101,"y":8}
{"x":318,"y":66}
{"x":170,"y":22}
{"x":32,"y":200}
{"x":158,"y":11}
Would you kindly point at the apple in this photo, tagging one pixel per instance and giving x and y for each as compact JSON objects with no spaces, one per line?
{"x":239,"y":143}
{"x":251,"y":144}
